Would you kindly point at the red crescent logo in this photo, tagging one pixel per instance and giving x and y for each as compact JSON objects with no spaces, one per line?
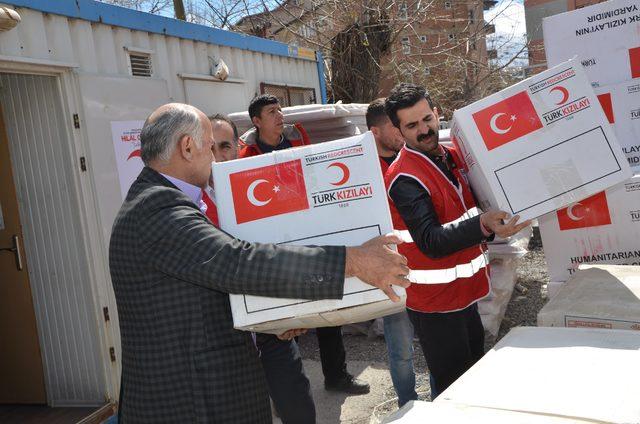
{"x":134,"y":154}
{"x":563,"y":91}
{"x":345,"y":173}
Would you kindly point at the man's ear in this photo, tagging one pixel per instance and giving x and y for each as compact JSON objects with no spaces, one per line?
{"x":186,"y":144}
{"x":436,"y":112}
{"x":256,"y":122}
{"x":375,"y":131}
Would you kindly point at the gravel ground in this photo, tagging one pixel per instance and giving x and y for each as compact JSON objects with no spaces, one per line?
{"x":529,"y":296}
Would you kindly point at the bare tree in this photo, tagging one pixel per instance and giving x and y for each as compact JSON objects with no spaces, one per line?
{"x":149,"y":6}
{"x":370,"y":45}
{"x":222,"y":13}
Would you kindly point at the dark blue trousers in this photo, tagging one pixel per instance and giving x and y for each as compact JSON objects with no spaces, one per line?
{"x":288,"y":385}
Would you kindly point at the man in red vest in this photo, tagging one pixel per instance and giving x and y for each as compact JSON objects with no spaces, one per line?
{"x":225,"y":147}
{"x":271,"y":134}
{"x":388,"y":139}
{"x":398,"y":330}
{"x":445,"y":234}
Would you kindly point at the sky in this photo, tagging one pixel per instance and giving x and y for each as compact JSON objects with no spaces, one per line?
{"x":510,"y":35}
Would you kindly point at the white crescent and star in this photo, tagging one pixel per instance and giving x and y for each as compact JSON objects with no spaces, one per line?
{"x":571,"y":214}
{"x":251,"y":195}
{"x":494,"y":125}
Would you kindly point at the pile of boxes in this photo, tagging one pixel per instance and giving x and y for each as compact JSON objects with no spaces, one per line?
{"x":605,"y":227}
{"x":322,"y":122}
{"x":529,"y":150}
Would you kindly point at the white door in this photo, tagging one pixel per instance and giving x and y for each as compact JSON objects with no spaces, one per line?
{"x":54,"y":245}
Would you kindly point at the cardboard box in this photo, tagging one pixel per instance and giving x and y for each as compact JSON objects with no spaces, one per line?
{"x":321,"y":122}
{"x":621,"y":104}
{"x":605,"y":37}
{"x":588,"y":374}
{"x":596,"y":296}
{"x":419,"y":412}
{"x":539,"y":145}
{"x":601,"y":229}
{"x":326,"y":194}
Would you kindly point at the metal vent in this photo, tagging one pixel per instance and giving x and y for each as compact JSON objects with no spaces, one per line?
{"x":140,"y":64}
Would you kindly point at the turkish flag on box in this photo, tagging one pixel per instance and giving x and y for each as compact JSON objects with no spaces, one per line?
{"x":607,"y":106}
{"x":590,"y":212}
{"x":507,"y":120}
{"x":268,"y":191}
{"x":634,"y":61}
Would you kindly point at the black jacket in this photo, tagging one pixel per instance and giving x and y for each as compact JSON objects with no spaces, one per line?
{"x":416,"y":209}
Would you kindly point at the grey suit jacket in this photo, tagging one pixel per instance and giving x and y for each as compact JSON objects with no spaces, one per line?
{"x":182,"y":361}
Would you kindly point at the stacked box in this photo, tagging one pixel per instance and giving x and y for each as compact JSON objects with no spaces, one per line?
{"x":596,"y":296}
{"x":601,"y":229}
{"x":605,"y":37}
{"x":621,"y":104}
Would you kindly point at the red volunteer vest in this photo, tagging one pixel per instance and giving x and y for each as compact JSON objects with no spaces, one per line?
{"x":455,"y":281}
{"x":212,"y":210}
{"x":295,"y":133}
{"x":383,"y":165}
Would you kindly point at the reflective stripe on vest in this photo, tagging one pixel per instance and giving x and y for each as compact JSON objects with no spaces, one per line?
{"x":467,"y":215}
{"x":447,"y":275}
{"x":406,"y":236}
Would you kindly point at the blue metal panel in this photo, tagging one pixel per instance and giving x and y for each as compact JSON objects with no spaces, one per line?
{"x":323,"y":85}
{"x":94,"y":11}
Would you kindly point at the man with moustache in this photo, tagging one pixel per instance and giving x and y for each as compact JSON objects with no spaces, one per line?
{"x":398,"y":330}
{"x":445,"y":234}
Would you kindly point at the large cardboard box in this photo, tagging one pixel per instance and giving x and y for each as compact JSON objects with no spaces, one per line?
{"x":420,"y":412}
{"x":326,"y":194}
{"x":589,"y":374}
{"x":596,"y":296}
{"x":621,"y":104}
{"x":539,"y":145}
{"x":601,"y":229}
{"x":605,"y":36}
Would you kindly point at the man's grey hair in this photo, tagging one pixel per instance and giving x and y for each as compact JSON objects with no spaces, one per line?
{"x":160,"y":136}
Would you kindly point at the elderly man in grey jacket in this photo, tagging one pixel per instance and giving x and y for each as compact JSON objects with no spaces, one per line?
{"x":182,"y":360}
